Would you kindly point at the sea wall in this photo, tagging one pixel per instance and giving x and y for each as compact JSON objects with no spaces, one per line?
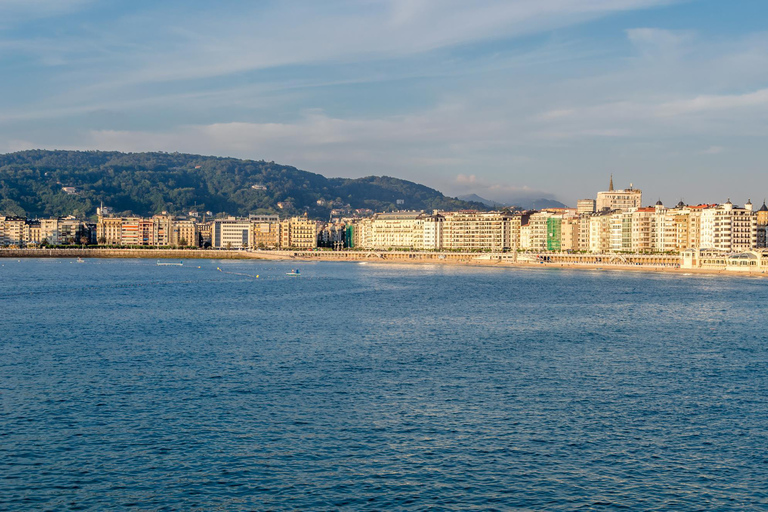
{"x":177,"y":254}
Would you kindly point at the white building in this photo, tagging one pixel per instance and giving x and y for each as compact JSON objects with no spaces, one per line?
{"x":231,"y":233}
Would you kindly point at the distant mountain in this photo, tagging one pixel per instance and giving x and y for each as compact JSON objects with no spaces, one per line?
{"x":477,"y":199}
{"x":520,"y":203}
{"x":540,"y":204}
{"x":59,"y":183}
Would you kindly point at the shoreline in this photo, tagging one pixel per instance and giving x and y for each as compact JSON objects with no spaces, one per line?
{"x":387,"y":258}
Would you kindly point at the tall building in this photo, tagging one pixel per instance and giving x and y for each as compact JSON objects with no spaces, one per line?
{"x":600,"y":232}
{"x":569,"y":233}
{"x":625,"y":199}
{"x":432,"y":239}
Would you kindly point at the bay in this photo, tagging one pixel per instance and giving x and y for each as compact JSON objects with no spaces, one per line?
{"x":369,"y":387}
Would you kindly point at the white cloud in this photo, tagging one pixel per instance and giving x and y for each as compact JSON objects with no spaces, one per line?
{"x":709,"y":103}
{"x":210,"y":43}
{"x":656,"y":40}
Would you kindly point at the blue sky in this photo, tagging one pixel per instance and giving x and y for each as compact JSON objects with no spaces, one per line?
{"x":501,"y":98}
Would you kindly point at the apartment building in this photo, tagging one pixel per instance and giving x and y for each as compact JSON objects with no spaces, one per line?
{"x":478,"y":231}
{"x":231,"y":233}
{"x":298,"y":233}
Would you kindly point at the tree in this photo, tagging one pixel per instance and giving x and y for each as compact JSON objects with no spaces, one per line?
{"x":102,"y":241}
{"x":183,"y":242}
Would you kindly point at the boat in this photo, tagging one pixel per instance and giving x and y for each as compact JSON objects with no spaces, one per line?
{"x":80,"y":260}
{"x":294,"y":272}
{"x":170,"y":263}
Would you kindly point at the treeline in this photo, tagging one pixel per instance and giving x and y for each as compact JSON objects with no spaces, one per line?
{"x":32,"y":182}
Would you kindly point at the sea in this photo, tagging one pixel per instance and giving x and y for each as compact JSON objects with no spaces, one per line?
{"x":232,"y":385}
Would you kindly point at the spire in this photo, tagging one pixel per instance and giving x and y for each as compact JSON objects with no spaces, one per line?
{"x":610,"y":186}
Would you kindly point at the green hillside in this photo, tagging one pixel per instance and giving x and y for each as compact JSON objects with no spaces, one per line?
{"x":31,"y":183}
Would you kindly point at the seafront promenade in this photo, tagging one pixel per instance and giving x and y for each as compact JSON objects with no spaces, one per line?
{"x":625,"y":262}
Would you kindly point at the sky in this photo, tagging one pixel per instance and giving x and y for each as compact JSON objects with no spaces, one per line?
{"x":502,"y":98}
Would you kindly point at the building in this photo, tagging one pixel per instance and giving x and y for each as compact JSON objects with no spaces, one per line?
{"x":626,"y":199}
{"x":185,"y":233}
{"x":727,"y":228}
{"x":332,"y":234}
{"x":265,"y":232}
{"x":12,"y":231}
{"x":569,"y":233}
{"x":231,"y":233}
{"x":585,"y":206}
{"x":762,"y":226}
{"x":109,"y":230}
{"x":478,"y":231}
{"x":298,"y":233}
{"x":620,"y":231}
{"x":538,"y":230}
{"x":396,"y":230}
{"x":432,"y":239}
{"x":600,"y":232}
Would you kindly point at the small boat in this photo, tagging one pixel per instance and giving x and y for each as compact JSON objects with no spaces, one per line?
{"x":170,"y":263}
{"x":80,"y":260}
{"x":293,"y":273}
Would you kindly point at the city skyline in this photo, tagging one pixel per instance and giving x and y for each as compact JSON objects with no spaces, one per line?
{"x":501,"y":99}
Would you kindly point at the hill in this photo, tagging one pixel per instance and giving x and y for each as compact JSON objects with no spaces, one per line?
{"x":58,"y":183}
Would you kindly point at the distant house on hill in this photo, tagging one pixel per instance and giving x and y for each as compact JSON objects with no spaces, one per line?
{"x":69,"y":190}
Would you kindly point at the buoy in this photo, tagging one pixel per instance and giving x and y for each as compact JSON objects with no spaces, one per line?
{"x":257,"y":276}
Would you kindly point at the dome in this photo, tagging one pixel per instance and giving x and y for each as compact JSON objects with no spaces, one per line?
{"x":681,"y":204}
{"x":659,"y":203}
{"x":763,"y":208}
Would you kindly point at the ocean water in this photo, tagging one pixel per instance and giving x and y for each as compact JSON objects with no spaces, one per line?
{"x":379,"y":387}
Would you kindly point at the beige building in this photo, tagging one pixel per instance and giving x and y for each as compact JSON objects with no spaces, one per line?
{"x":585,"y":206}
{"x":396,"y":230}
{"x":600,"y":233}
{"x":538,"y":233}
{"x":109,"y":230}
{"x":584,"y":220}
{"x":185,"y":233}
{"x":569,"y":233}
{"x":626,"y":199}
{"x":478,"y":231}
{"x":298,"y":233}
{"x":12,"y":231}
{"x":265,"y":233}
{"x":49,"y":231}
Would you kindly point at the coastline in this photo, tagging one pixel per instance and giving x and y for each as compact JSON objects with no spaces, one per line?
{"x":396,"y":258}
